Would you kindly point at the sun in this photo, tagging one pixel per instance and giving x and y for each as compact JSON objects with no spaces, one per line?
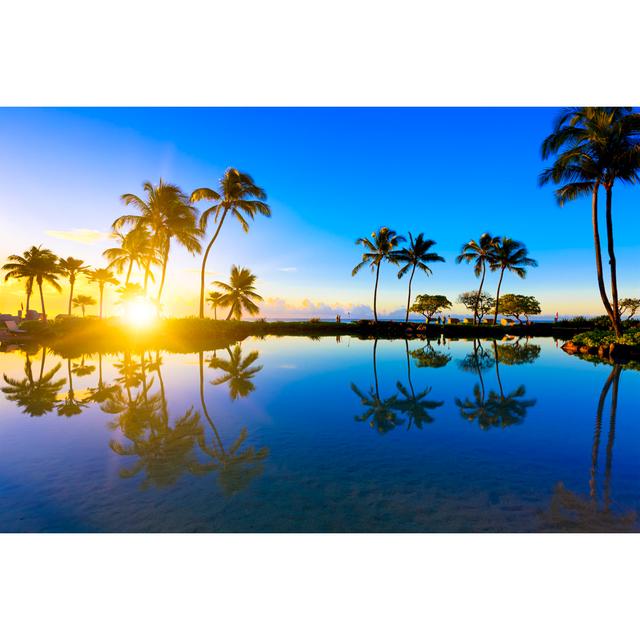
{"x":139,"y":312}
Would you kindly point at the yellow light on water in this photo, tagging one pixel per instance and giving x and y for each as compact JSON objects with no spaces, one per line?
{"x":140,"y":313}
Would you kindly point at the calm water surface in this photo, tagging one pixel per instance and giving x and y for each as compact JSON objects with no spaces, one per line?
{"x":295,"y":434}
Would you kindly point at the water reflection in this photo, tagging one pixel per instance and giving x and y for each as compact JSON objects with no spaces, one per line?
{"x":36,"y":396}
{"x":569,"y":511}
{"x":238,"y":372}
{"x":495,"y":408}
{"x":385,"y":414}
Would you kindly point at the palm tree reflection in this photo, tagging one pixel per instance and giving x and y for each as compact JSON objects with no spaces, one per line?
{"x":238,"y":372}
{"x":496,"y":409}
{"x":385,"y":414}
{"x":570,"y":511}
{"x":236,"y":466}
{"x":36,"y":397}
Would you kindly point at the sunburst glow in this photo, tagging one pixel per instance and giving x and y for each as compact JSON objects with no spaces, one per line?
{"x":139,"y":312}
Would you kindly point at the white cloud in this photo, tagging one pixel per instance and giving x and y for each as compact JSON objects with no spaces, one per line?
{"x":82,"y":236}
{"x":288,"y":269}
{"x":280,"y":308}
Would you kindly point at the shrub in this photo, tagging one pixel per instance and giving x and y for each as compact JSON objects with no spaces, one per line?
{"x":314,"y":320}
{"x":34,"y":326}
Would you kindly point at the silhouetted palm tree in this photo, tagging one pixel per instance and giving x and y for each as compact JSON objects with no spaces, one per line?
{"x":36,"y":264}
{"x":136,"y":247}
{"x":166,"y":214}
{"x":214,"y":300}
{"x":415,"y":407}
{"x":481,"y":254}
{"x":593,"y":147}
{"x":238,"y":196}
{"x":102,"y":392}
{"x":383,"y":247}
{"x":70,"y":406}
{"x":83,"y":301}
{"x":509,"y":255}
{"x":71,"y":268}
{"x":415,"y":256}
{"x":102,"y":277}
{"x":239,"y":294}
{"x":238,"y":372}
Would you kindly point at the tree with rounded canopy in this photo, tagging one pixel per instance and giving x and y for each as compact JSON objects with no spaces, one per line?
{"x":83,"y":301}
{"x":239,"y":294}
{"x":630,"y":306}
{"x":240,"y":197}
{"x":415,"y":256}
{"x":516,"y":306}
{"x":478,"y":305}
{"x":429,"y":305}
{"x":382,"y":247}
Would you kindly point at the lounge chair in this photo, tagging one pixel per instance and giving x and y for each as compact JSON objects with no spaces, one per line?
{"x":13,"y":327}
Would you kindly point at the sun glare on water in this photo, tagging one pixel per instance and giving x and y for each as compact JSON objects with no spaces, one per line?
{"x":140,"y":313}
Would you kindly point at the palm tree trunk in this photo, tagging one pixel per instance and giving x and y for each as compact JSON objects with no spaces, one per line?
{"x":375,"y":294}
{"x":617,"y":370}
{"x":82,"y":307}
{"x":495,"y":317}
{"x":406,"y":319}
{"x":497,"y":360}
{"x":164,"y":273}
{"x":230,"y":312}
{"x":204,"y":406}
{"x":204,"y":261}
{"x":475,"y":310}
{"x":612,"y":264}
{"x":406,"y":348}
{"x":596,"y":242}
{"x":72,"y":282}
{"x":215,"y":312}
{"x":44,"y":313}
{"x":147,"y":269}
{"x":126,"y":282}
{"x":29,"y":291}
{"x":101,"y":295}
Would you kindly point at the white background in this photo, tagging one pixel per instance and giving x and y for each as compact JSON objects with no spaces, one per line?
{"x":318,"y":53}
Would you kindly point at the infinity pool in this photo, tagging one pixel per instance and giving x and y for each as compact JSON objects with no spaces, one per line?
{"x":320,"y":435}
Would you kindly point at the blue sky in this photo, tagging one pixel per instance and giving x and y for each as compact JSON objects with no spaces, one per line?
{"x":332,"y":175}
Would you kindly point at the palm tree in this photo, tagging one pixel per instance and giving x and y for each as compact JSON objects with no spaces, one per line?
{"x":21,"y":267}
{"x":136,"y":247}
{"x":239,"y":196}
{"x":239,"y":294}
{"x":70,"y":406}
{"x":166,"y":214}
{"x":71,"y":268}
{"x":415,"y":256}
{"x":481,"y":254}
{"x":593,"y":147}
{"x":384,"y":245}
{"x":213,"y":299}
{"x":238,"y":372}
{"x":83,"y":301}
{"x":509,"y":255}
{"x":102,"y":277}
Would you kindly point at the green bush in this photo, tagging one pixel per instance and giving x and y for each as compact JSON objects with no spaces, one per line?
{"x":599,"y":338}
{"x":34,"y":326}
{"x":314,"y":320}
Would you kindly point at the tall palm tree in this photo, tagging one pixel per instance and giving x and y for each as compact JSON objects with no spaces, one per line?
{"x":480,"y":253}
{"x":36,"y":264}
{"x":213,"y":299}
{"x":83,"y":301}
{"x":509,"y":255}
{"x":238,"y":196}
{"x":593,"y":147}
{"x":20,"y":267}
{"x":383,"y":247}
{"x":239,"y":294}
{"x":136,"y":248}
{"x":102,"y":277}
{"x":167,"y":215}
{"x":416,"y":256}
{"x":71,"y":268}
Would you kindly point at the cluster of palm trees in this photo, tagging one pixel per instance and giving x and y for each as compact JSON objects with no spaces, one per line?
{"x":489,"y":252}
{"x":41,"y":266}
{"x":595,"y":147}
{"x":163,"y":216}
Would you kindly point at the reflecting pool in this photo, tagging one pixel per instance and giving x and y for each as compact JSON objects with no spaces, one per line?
{"x":320,"y":435}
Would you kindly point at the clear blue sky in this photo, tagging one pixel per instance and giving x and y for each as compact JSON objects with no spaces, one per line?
{"x":332,"y":175}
